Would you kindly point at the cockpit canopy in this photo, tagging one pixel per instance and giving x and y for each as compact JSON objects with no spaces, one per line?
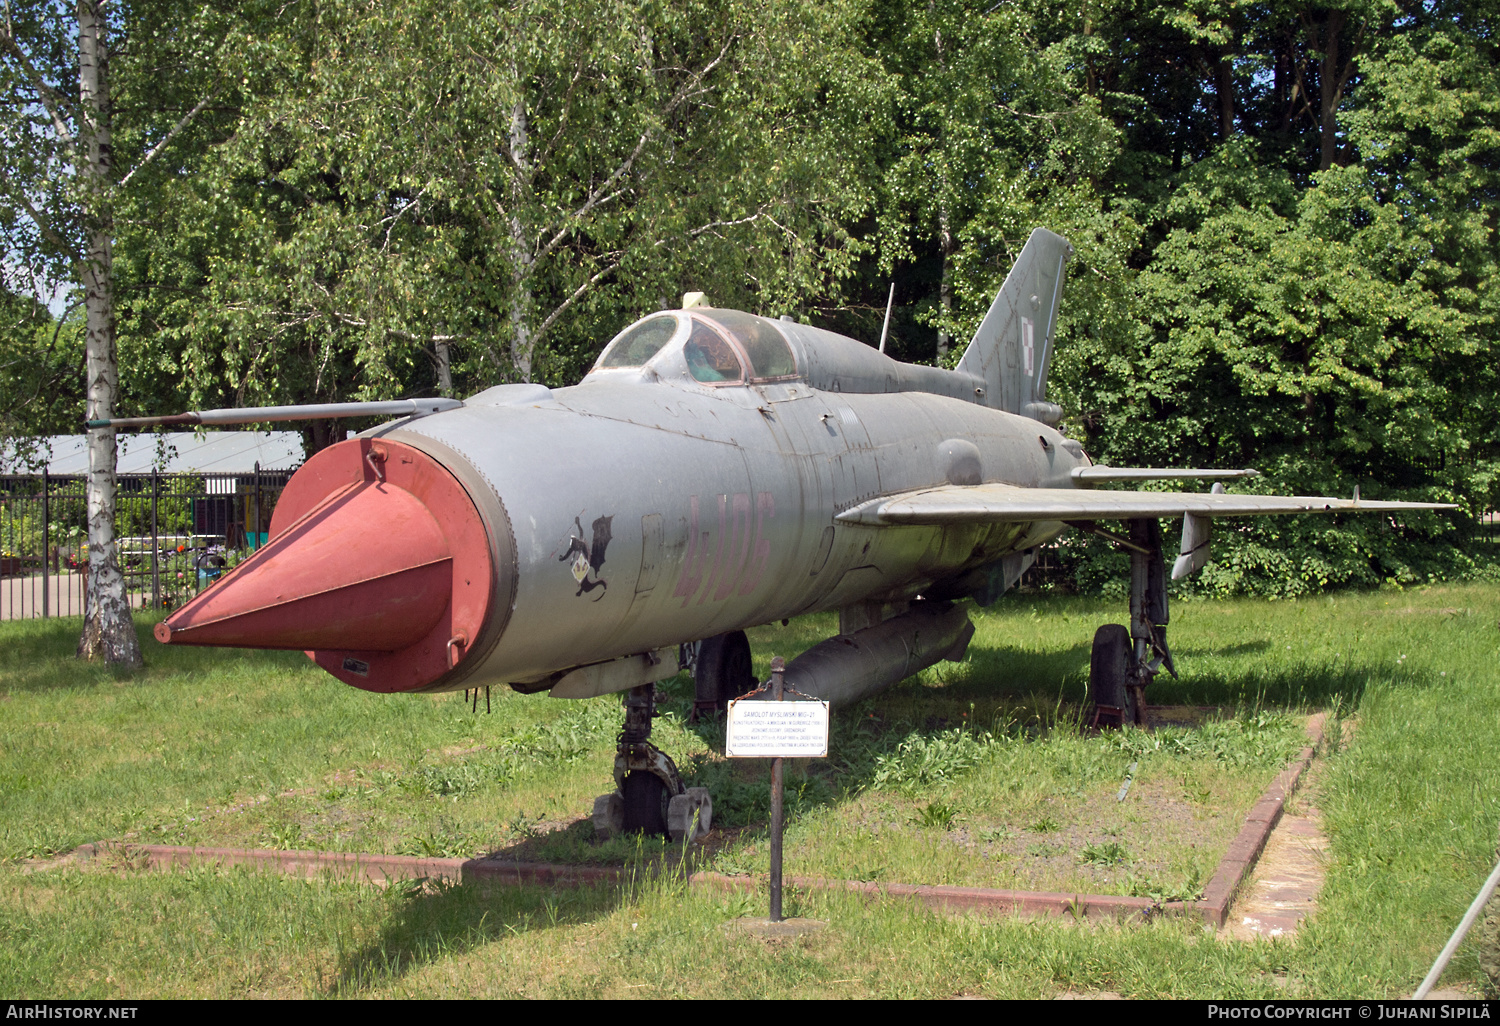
{"x":639,"y":342}
{"x":713,"y":347}
{"x":719,"y":347}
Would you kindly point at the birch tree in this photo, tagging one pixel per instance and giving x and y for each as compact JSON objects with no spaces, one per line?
{"x":435,"y":196}
{"x":59,"y":191}
{"x":993,"y":135}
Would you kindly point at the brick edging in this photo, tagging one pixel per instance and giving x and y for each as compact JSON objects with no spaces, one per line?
{"x":1244,"y":850}
{"x":1233,"y":869}
{"x":983,"y":899}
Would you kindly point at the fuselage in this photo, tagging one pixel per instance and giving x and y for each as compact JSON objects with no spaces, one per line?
{"x":645,"y":507}
{"x":689,"y":486}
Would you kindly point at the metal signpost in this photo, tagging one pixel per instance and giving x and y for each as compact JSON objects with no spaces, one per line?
{"x":47,"y":567}
{"x":776,"y":730}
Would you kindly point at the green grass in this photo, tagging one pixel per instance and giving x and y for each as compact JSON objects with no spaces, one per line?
{"x":229,"y":747}
{"x":964,"y":767}
{"x":984,"y":808}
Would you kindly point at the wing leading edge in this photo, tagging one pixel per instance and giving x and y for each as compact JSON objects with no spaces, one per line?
{"x":1002,"y":503}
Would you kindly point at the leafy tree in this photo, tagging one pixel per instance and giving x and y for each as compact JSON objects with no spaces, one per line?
{"x":1285,"y":217}
{"x":101,"y":102}
{"x":41,"y":372}
{"x":986,"y":134}
{"x":66,"y":220}
{"x":1335,"y":329}
{"x":433,"y":196}
{"x":1284,"y":212}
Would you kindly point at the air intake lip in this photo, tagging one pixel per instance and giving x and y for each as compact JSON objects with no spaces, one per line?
{"x":378,"y":567}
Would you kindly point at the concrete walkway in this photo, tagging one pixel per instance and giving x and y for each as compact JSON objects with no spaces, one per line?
{"x":21,"y":597}
{"x":1284,"y":888}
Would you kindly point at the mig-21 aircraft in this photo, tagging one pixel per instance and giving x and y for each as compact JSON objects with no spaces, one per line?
{"x":714,"y":471}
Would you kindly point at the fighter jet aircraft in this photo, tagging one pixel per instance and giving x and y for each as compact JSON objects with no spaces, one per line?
{"x":716,"y":470}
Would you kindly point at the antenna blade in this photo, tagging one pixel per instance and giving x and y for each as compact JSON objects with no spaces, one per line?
{"x":886,"y":330}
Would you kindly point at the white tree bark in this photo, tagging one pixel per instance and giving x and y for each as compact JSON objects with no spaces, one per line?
{"x":945,"y":285}
{"x":530,"y":244}
{"x":108,"y":632}
{"x":522,"y":255}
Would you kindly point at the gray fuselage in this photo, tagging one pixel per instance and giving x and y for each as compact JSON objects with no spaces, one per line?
{"x":646,"y":507}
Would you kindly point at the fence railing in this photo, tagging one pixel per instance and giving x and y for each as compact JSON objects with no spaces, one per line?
{"x":176,"y":533}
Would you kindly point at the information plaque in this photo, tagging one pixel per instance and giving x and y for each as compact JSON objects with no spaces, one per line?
{"x":777,"y":730}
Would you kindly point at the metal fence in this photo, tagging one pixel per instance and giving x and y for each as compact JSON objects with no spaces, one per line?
{"x":176,"y":533}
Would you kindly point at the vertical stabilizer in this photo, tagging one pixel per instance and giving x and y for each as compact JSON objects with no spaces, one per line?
{"x":1013,"y":346}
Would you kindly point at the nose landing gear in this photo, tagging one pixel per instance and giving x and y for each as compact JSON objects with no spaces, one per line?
{"x":650,"y":797}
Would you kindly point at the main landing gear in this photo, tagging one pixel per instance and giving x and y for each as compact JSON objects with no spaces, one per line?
{"x":1124,"y":660}
{"x":650,"y":797}
{"x":721,"y":671}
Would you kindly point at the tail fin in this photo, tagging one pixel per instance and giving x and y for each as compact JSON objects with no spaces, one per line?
{"x":1013,"y":346}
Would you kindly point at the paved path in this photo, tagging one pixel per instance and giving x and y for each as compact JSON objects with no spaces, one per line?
{"x":1284,"y":888}
{"x":21,"y":597}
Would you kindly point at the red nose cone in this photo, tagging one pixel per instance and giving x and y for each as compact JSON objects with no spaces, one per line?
{"x":378,"y":567}
{"x":369,"y":570}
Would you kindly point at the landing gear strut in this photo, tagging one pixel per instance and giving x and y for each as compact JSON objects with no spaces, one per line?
{"x":1124,"y":661}
{"x":650,"y":797}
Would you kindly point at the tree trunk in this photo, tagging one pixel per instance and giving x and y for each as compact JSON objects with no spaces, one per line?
{"x":945,"y":286}
{"x":1224,"y":86}
{"x":444,"y":367}
{"x":520,"y":327}
{"x":1282,"y":86}
{"x":320,"y":434}
{"x":1331,"y":89}
{"x":108,"y":632}
{"x":1090,"y":83}
{"x":521,"y":253}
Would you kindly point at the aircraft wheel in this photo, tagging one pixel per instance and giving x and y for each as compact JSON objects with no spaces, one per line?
{"x":645,"y":806}
{"x":723,"y":672}
{"x":1109,"y":675}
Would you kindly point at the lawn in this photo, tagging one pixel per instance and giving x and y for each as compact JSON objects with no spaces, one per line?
{"x":971,"y":773}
